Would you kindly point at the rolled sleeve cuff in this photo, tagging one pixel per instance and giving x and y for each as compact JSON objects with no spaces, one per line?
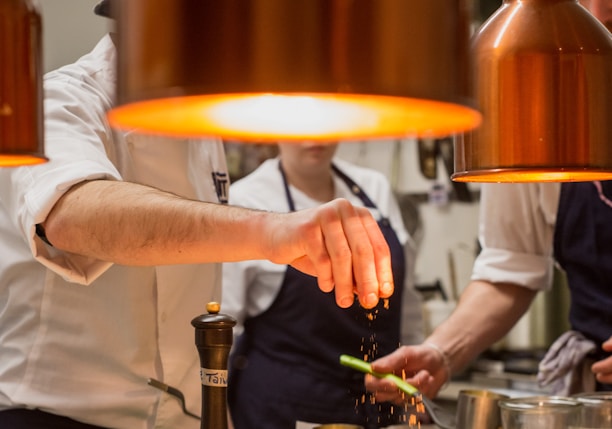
{"x":524,"y":269}
{"x":40,"y":199}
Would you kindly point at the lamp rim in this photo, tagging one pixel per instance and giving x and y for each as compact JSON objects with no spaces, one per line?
{"x":533,"y":174}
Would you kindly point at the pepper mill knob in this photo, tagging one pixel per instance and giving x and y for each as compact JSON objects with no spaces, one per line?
{"x":213,"y":338}
{"x":213,"y":307}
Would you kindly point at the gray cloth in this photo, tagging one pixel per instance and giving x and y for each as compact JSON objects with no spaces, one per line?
{"x":566,"y":366}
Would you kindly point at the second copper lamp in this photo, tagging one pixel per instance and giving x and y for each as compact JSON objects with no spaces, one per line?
{"x":543,"y":81}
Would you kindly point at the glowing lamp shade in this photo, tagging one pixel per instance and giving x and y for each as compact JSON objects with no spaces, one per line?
{"x":21,"y":105}
{"x":270,"y":70}
{"x":543,"y":81}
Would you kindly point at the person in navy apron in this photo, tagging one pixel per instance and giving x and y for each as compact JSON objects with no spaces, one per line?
{"x":583,"y":248}
{"x":284,"y":368}
{"x":525,"y":229}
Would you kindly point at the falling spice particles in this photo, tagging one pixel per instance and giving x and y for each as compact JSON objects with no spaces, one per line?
{"x":413,"y":421}
{"x":413,"y":407}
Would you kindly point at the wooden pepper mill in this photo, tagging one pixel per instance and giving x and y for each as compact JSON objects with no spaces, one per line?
{"x":214,"y":337}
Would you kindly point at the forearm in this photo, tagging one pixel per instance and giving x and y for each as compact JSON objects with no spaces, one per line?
{"x":484,"y":314}
{"x":132,"y":224}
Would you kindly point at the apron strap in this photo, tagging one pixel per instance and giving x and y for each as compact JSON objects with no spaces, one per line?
{"x":354,"y":187}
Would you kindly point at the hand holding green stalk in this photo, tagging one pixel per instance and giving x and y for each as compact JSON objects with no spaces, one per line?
{"x":365,"y":367}
{"x":441,"y":417}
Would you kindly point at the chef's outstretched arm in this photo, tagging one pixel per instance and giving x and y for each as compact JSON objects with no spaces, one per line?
{"x":131,"y":224}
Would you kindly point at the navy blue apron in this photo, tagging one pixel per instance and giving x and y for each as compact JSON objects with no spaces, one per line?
{"x":583,"y":247}
{"x":285,"y":367}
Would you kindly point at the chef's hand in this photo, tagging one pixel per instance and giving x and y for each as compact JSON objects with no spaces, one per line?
{"x":603,"y":368}
{"x":422,"y":366}
{"x":341,"y":245}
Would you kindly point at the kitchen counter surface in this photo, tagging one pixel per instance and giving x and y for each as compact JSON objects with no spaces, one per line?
{"x":312,"y":426}
{"x":518,"y":387}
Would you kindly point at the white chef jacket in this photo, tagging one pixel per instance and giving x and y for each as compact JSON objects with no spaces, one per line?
{"x":80,"y":337}
{"x":517,"y":223}
{"x":250,"y":287}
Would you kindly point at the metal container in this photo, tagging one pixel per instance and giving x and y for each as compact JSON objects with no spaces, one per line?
{"x":479,"y":409}
{"x":540,"y":412}
{"x":596,"y":409}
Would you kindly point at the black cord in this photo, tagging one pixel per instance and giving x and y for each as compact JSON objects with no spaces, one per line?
{"x":174,"y":392}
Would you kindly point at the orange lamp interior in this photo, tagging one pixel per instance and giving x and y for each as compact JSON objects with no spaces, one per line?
{"x":12,"y":160}
{"x":273,"y":117}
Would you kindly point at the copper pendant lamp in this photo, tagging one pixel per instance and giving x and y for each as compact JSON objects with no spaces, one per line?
{"x":270,"y":70}
{"x":21,"y":99}
{"x":543,"y":81}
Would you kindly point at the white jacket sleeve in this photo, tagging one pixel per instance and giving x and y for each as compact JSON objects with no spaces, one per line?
{"x":76,"y":134}
{"x":516,"y":233}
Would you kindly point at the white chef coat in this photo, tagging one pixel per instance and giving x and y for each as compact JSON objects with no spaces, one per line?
{"x":250,"y":287}
{"x":80,"y":337}
{"x":517,"y":223}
